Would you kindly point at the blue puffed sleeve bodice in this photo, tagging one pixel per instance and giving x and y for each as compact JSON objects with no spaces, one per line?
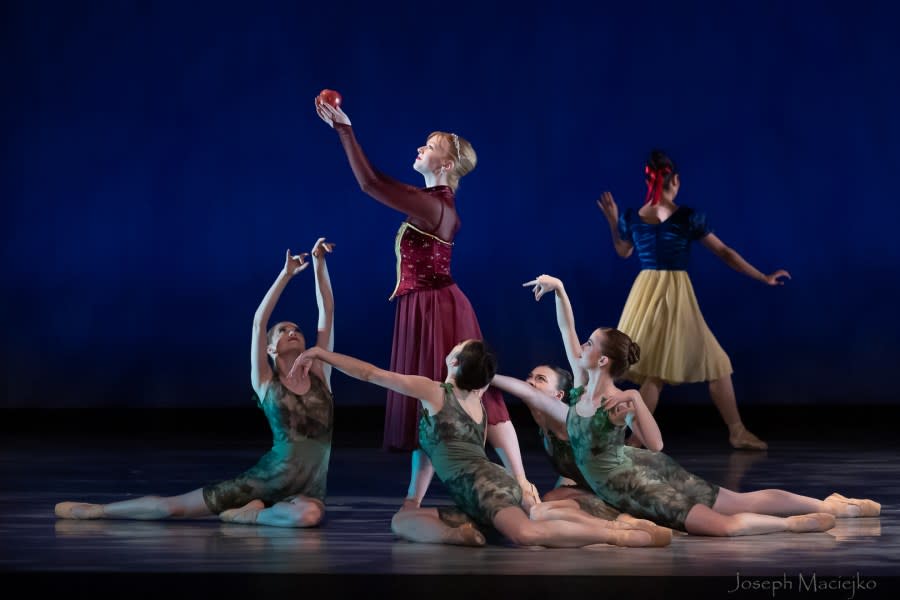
{"x":664,"y":246}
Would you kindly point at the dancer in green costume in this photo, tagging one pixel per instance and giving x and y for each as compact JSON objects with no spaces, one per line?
{"x":452,"y":433}
{"x":644,"y":482}
{"x":286,"y":487}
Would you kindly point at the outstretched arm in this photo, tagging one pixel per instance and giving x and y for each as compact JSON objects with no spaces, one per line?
{"x":734,"y":260}
{"x":565,"y":319}
{"x":387,"y":190}
{"x":260,"y":371}
{"x":325,"y":303}
{"x":607,"y":204}
{"x":534,"y":398}
{"x":426,"y":390}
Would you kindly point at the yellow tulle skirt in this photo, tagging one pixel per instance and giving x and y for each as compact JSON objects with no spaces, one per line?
{"x":662,"y":316}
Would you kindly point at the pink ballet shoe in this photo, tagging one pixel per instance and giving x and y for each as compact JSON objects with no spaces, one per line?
{"x":655,"y":537}
{"x":78,"y":510}
{"x":810,"y":523}
{"x":464,"y":535}
{"x":246,"y":514}
{"x":852,"y":507}
{"x":659,"y":536}
{"x":742,"y":439}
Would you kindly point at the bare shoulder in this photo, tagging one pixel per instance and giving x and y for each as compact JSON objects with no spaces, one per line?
{"x":433,"y":400}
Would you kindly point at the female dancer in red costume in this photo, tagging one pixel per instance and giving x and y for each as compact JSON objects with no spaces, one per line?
{"x":432,"y":313}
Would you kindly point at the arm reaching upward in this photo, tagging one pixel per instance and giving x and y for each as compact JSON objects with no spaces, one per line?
{"x":260,"y":371}
{"x":402,"y":197}
{"x":734,"y":260}
{"x":565,"y":319}
{"x":325,"y":303}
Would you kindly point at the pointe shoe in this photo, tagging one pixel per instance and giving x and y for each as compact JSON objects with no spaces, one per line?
{"x":625,"y":537}
{"x":852,"y":507}
{"x":78,"y":510}
{"x":246,"y":514}
{"x":811,"y":522}
{"x":742,"y":439}
{"x":464,"y":535}
{"x":659,"y":536}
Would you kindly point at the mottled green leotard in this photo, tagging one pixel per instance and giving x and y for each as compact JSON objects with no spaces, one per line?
{"x":563,"y":460}
{"x":644,"y":484}
{"x":455,"y":445}
{"x":297,"y":464}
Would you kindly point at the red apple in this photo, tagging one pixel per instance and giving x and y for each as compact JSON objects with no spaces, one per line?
{"x":331,"y":97}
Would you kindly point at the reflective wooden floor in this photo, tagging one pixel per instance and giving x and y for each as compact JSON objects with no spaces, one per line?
{"x":354,"y":552}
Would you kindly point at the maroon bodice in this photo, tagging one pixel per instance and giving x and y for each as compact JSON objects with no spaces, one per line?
{"x":423,"y":261}
{"x":423,"y":258}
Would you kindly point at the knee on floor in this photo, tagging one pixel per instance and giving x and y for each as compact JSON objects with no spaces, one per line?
{"x":397,"y":522}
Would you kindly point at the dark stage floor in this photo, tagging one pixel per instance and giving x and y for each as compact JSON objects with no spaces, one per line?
{"x":355,"y":553}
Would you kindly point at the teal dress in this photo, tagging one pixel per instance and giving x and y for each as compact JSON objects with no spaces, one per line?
{"x":297,"y":464}
{"x":644,"y":484}
{"x":454,"y":442}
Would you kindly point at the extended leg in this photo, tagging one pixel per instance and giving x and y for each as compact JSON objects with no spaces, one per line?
{"x":190,"y":505}
{"x":702,"y":520}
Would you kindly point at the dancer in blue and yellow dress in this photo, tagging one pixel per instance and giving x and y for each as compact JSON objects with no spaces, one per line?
{"x":287,"y":486}
{"x":644,"y":482}
{"x":661,"y":313}
{"x":452,"y":433}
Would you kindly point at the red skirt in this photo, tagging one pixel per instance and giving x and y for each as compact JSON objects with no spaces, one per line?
{"x":427,"y":325}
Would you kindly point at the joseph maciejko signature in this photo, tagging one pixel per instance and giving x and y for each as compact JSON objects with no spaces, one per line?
{"x":804,"y":582}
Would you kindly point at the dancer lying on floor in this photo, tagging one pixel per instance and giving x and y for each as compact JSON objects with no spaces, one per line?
{"x":646,"y":483}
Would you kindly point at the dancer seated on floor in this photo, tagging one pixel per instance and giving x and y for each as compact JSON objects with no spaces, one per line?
{"x":286,"y":487}
{"x":452,"y":433}
{"x":646,"y":483}
{"x":555,"y":383}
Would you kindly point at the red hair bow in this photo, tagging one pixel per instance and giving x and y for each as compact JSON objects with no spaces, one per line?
{"x":655,"y":178}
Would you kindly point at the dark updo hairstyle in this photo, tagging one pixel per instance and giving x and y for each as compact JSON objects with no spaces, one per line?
{"x":660,"y":161}
{"x":620,"y":350}
{"x":564,"y":380}
{"x":477,"y":366}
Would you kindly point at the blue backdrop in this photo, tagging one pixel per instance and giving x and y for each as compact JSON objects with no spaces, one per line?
{"x":160,"y":157}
